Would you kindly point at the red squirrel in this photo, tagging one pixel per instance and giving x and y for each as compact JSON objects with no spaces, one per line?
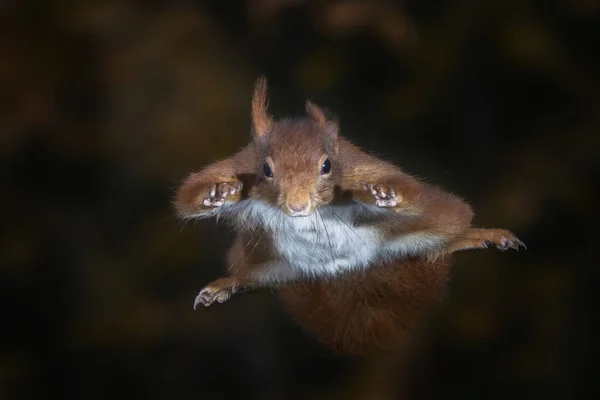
{"x":357,"y":248}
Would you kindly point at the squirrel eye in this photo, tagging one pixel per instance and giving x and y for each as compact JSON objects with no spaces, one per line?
{"x":326,"y":167}
{"x":267,"y":170}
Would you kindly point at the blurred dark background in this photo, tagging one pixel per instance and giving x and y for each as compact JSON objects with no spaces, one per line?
{"x":106,"y":105}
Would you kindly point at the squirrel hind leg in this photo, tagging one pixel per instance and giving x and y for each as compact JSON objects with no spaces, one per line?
{"x":475,"y":238}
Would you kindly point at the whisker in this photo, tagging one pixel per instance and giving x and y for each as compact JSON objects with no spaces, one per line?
{"x":251,"y":225}
{"x":258,"y":240}
{"x":241,"y":253}
{"x":279,"y":219}
{"x":275,"y":214}
{"x":185,"y":221}
{"x":332,"y":213}
{"x":253,"y":230}
{"x":327,"y":233}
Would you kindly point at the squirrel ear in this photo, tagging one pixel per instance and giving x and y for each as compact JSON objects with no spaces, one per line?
{"x":261,"y":120}
{"x":316,"y":113}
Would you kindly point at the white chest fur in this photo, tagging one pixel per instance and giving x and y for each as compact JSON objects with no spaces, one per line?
{"x":326,"y":242}
{"x":329,"y":241}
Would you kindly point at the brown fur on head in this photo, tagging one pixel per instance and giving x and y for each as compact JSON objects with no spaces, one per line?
{"x":299,"y":167}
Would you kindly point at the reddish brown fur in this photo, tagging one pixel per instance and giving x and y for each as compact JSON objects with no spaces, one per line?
{"x":299,"y":151}
{"x":378,"y":308}
{"x":197,"y":185}
{"x":261,"y":120}
{"x":357,"y":311}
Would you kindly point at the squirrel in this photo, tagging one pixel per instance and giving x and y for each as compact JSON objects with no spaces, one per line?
{"x":357,"y":248}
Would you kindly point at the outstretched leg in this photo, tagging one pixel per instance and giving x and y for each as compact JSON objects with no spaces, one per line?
{"x":271,"y":274}
{"x":475,"y":238}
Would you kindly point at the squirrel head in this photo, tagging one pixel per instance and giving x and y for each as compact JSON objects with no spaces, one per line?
{"x":299,"y":166}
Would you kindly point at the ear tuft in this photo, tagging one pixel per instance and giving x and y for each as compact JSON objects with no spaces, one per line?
{"x":318,"y":115}
{"x":261,"y":120}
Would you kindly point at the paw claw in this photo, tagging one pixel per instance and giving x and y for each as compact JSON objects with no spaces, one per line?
{"x":210,"y":294}
{"x":510,"y":243}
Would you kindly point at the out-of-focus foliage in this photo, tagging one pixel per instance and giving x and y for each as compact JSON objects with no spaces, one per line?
{"x":106,"y":105}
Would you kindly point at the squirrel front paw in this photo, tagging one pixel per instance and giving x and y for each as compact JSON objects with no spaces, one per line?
{"x":385,"y":195}
{"x":219,"y":192}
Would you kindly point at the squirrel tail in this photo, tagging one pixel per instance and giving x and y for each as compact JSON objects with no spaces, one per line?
{"x":375,"y":309}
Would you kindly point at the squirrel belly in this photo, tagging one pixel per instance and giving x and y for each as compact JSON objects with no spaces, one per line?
{"x":378,"y":308}
{"x":333,"y":239}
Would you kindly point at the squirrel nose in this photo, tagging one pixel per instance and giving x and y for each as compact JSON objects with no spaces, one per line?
{"x":297,"y":208}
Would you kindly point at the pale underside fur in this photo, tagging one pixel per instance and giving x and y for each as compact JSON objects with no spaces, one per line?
{"x":327,"y":242}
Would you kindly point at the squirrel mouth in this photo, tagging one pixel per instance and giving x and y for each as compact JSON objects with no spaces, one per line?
{"x":295,"y":209}
{"x":298,"y":214}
